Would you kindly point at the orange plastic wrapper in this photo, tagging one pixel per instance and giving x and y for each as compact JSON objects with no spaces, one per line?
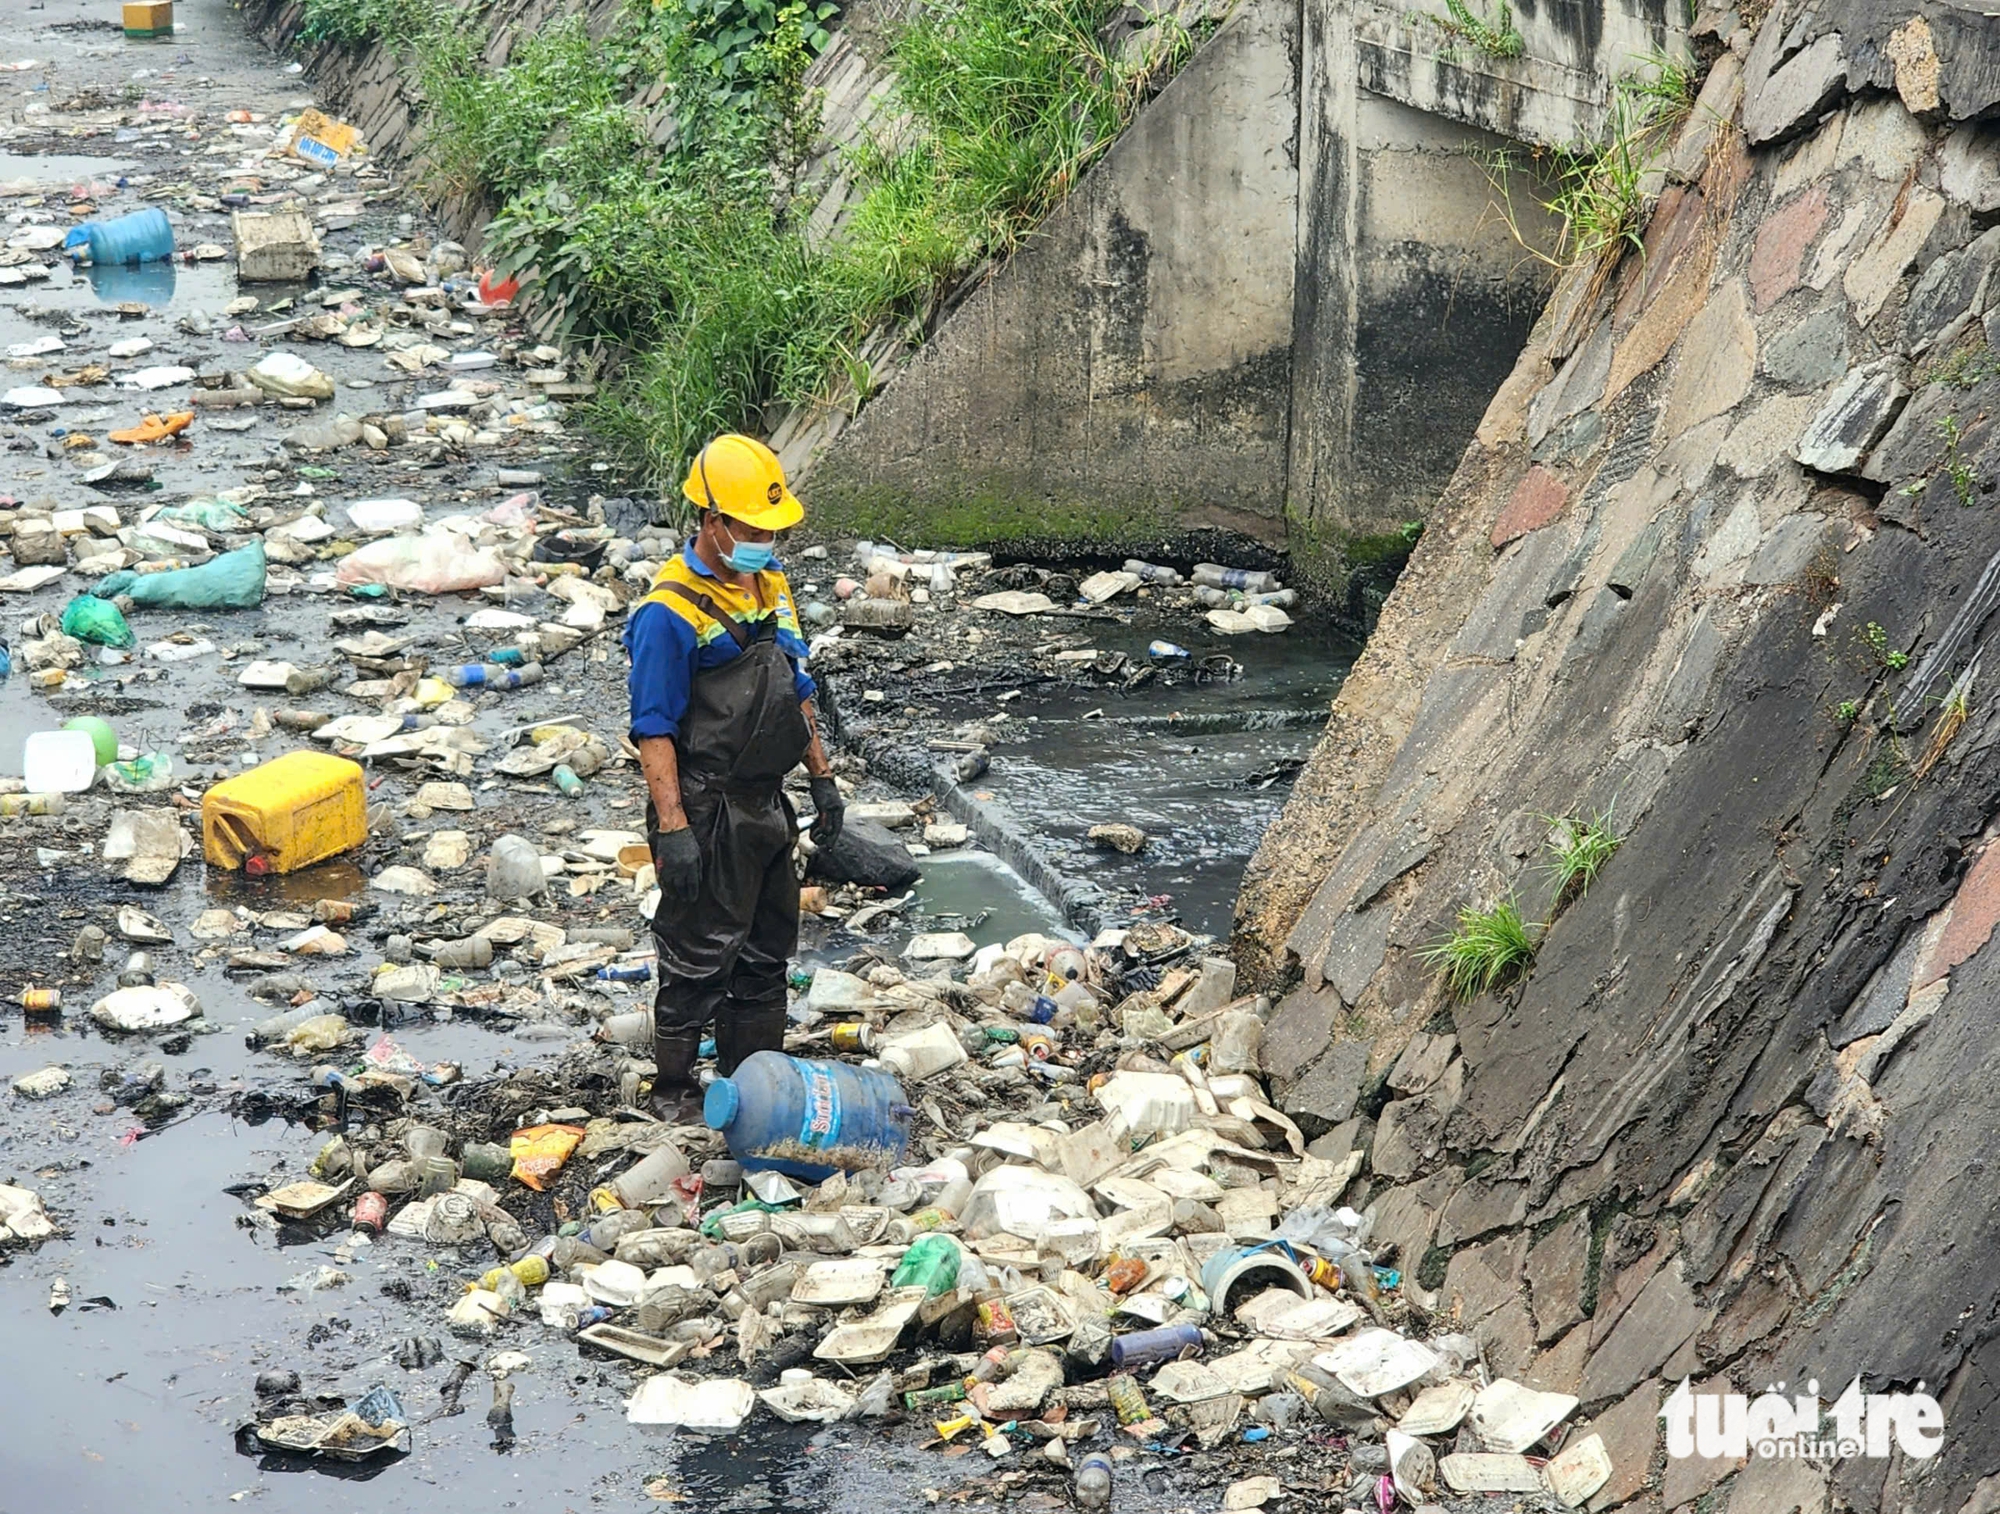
{"x":154,"y":428}
{"x":540,"y":1151}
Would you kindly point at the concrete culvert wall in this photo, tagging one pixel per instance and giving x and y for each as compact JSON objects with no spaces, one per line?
{"x":1718,"y":572}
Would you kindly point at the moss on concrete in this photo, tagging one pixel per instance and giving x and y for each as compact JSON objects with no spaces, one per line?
{"x":988,"y":519}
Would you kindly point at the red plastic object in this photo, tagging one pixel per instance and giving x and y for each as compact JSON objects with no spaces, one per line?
{"x":494,"y":290}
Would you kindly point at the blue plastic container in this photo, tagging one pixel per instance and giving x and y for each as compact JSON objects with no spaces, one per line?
{"x":141,"y":237}
{"x":1148,"y":1348}
{"x":809,"y":1120}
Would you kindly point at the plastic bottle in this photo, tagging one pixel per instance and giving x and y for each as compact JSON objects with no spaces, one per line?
{"x":651,"y":1178}
{"x":1164,"y":650}
{"x":1152,"y":572}
{"x":143,"y":236}
{"x":606,"y":1230}
{"x":307,"y":680}
{"x":1223,"y":599}
{"x":932,"y":1264}
{"x":1148,"y":1348}
{"x":472,"y":951}
{"x":488,"y":1161}
{"x":1127,"y":1402}
{"x":1215,"y":576}
{"x":923,"y":1053}
{"x":482,"y":675}
{"x":994,"y":1366}
{"x":567,"y":781}
{"x":952,"y":1183}
{"x":12,"y":805}
{"x":531,"y":1271}
{"x":265,"y":1032}
{"x":780,"y":1103}
{"x":1093,"y":1481}
{"x":572,"y":1251}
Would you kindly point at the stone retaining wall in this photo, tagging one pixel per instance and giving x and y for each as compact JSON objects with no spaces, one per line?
{"x":1723,"y":548}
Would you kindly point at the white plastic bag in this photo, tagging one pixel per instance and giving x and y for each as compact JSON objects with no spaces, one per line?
{"x":437,"y":562}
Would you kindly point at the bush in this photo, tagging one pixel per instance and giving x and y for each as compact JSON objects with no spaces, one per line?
{"x":689,"y":257}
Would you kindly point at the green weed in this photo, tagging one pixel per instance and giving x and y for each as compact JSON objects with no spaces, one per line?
{"x":1489,"y":949}
{"x":1964,"y":367}
{"x":1847,"y":711}
{"x":1577,"y":850}
{"x":1599,"y":195}
{"x":1496,"y":37}
{"x":1877,"y":641}
{"x":357,"y":21}
{"x":1662,"y":87}
{"x":1964,"y":479}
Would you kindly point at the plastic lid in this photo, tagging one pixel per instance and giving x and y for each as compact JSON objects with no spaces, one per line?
{"x":719,"y":1105}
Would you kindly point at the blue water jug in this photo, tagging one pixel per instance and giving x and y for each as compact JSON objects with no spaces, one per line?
{"x":140,"y":237}
{"x":809,"y":1120}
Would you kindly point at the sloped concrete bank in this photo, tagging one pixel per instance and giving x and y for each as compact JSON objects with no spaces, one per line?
{"x":1722,"y":563}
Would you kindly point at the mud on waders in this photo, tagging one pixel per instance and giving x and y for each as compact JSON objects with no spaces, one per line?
{"x":724,"y":954}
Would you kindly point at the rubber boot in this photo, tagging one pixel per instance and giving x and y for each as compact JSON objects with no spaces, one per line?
{"x":742,"y":1030}
{"x":677,"y":1097}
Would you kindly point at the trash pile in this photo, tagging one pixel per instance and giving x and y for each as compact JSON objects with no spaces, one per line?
{"x":891,"y":587}
{"x":1028,"y":1197}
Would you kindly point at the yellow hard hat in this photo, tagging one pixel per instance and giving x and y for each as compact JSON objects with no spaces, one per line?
{"x":742,"y":477}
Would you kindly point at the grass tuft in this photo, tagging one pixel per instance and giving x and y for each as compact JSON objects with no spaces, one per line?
{"x":1599,"y":195}
{"x":1577,"y":851}
{"x":1489,"y":949}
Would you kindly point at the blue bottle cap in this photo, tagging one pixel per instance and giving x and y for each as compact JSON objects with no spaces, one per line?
{"x":719,"y":1105}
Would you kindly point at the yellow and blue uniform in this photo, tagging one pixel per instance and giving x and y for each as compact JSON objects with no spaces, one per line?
{"x":671,"y":639}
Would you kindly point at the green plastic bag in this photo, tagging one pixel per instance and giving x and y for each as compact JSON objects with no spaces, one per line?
{"x":233,"y":581}
{"x":209,"y":514}
{"x":96,"y":620}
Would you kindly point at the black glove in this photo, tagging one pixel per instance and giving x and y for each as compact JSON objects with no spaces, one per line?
{"x":677,"y":861}
{"x":832,"y":810}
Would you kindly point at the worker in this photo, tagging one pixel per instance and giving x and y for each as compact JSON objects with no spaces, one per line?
{"x":722,"y":710}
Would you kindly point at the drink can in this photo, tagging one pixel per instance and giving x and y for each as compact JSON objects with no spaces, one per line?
{"x":371,"y":1212}
{"x":854,"y":1036}
{"x":41,"y":1000}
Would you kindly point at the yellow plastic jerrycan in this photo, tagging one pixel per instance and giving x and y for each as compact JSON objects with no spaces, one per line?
{"x":289,"y":813}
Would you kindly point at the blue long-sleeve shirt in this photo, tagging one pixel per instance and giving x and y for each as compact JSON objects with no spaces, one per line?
{"x":671,"y":640}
